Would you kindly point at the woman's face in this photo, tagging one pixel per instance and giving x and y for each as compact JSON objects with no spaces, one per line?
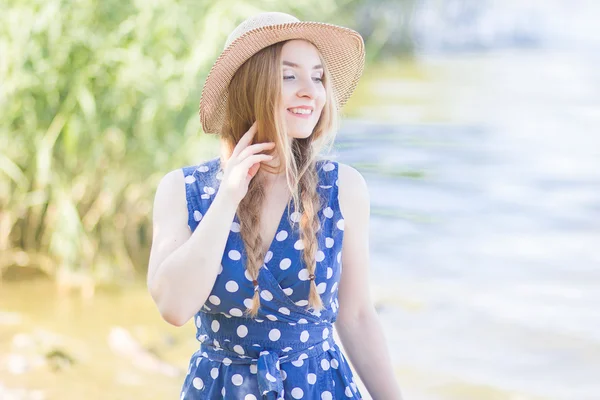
{"x":302,"y":89}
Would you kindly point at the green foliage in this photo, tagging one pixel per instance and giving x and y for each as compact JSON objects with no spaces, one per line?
{"x":98,"y":100}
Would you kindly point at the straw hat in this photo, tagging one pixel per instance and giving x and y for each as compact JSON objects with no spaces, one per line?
{"x":342,"y":49}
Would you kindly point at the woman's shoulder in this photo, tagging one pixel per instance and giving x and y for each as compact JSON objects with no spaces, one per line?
{"x":203,"y":168}
{"x":353,"y":192}
{"x":181,"y":179}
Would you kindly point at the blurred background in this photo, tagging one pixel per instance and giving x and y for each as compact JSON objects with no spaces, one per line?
{"x":476,"y":126}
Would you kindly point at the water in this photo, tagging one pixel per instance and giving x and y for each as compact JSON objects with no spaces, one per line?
{"x":489,"y":262}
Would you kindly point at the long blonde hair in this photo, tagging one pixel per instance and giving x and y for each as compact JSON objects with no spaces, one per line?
{"x":254,"y":95}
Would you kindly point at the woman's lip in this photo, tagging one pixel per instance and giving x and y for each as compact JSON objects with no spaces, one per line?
{"x":305,"y":116}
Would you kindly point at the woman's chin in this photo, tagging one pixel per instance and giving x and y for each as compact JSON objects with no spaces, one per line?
{"x":299,"y":135}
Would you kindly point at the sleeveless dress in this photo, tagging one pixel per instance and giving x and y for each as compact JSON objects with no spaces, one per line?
{"x":286,"y":351}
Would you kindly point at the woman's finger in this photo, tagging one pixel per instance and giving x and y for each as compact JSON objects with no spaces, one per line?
{"x":244,"y":141}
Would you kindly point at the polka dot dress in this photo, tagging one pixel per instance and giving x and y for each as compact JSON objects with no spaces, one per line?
{"x":287,"y":351}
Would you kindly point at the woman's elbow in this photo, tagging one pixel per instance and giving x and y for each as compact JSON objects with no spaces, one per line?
{"x":169,"y":311}
{"x":173,"y":318}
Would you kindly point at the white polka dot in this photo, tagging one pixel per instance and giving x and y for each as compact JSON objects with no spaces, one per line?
{"x":242,"y":331}
{"x":235,"y":227}
{"x":329,"y":272}
{"x":239,"y":349}
{"x":265,"y":294}
{"x":250,"y":396}
{"x":198,"y":322}
{"x":219,"y":175}
{"x":321,"y":287}
{"x":288,"y":291}
{"x":227,"y":361}
{"x":215,"y":326}
{"x":328,"y":212}
{"x":326,"y":395}
{"x":325,"y":333}
{"x":298,"y":363}
{"x":190,"y":179}
{"x":328,"y":167}
{"x":237,"y":379}
{"x":283,"y":375}
{"x":335,"y":364}
{"x":320,"y":256}
{"x":281,"y":235}
{"x":208,"y":190}
{"x":203,"y":168}
{"x":234,"y":255}
{"x":272,"y":317}
{"x":304,"y":336}
{"x":247,"y":275}
{"x":220,"y":269}
{"x":295,"y":216}
{"x":339,"y":257}
{"x":285,"y":263}
{"x":215,"y":300}
{"x":311,"y":378}
{"x":348,"y":392}
{"x":303,"y":274}
{"x":253,"y":368}
{"x":223,"y":392}
{"x":205,"y":196}
{"x":270,"y":377}
{"x":335,"y":285}
{"x":340,"y":224}
{"x":326,"y":346}
{"x":302,"y":303}
{"x":232,"y":286}
{"x":353,"y":385}
{"x":324,"y":364}
{"x":268,"y":256}
{"x":274,"y":335}
{"x":236,"y":312}
{"x":214,"y":373}
{"x":329,"y":242}
{"x":284,"y":310}
{"x":197,"y":215}
{"x":297,"y":393}
{"x":299,"y":245}
{"x":198,"y":383}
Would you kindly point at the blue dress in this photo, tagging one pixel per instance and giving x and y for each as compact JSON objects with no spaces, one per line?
{"x":286,"y":351}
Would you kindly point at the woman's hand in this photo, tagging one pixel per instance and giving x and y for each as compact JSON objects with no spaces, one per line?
{"x":243,"y":165}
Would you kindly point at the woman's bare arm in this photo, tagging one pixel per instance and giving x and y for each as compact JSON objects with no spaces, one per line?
{"x":183,"y":267}
{"x":357,"y":323}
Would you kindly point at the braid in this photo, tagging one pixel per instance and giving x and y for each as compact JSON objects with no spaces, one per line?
{"x":249,"y":216}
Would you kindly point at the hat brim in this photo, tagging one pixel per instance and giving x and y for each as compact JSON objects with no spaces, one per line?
{"x":341,"y":48}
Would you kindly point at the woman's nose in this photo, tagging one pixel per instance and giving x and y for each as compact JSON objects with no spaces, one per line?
{"x":307,"y":89}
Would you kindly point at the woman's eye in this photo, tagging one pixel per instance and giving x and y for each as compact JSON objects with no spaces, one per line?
{"x":292,"y":76}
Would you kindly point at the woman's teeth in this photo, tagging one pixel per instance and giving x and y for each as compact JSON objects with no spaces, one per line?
{"x":300,"y":111}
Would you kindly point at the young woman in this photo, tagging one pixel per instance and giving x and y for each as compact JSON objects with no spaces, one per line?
{"x":251,"y":243}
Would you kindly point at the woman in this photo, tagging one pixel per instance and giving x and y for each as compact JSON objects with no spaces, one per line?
{"x":262,"y":276}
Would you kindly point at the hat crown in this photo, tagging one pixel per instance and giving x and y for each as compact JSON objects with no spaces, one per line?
{"x":259,"y":21}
